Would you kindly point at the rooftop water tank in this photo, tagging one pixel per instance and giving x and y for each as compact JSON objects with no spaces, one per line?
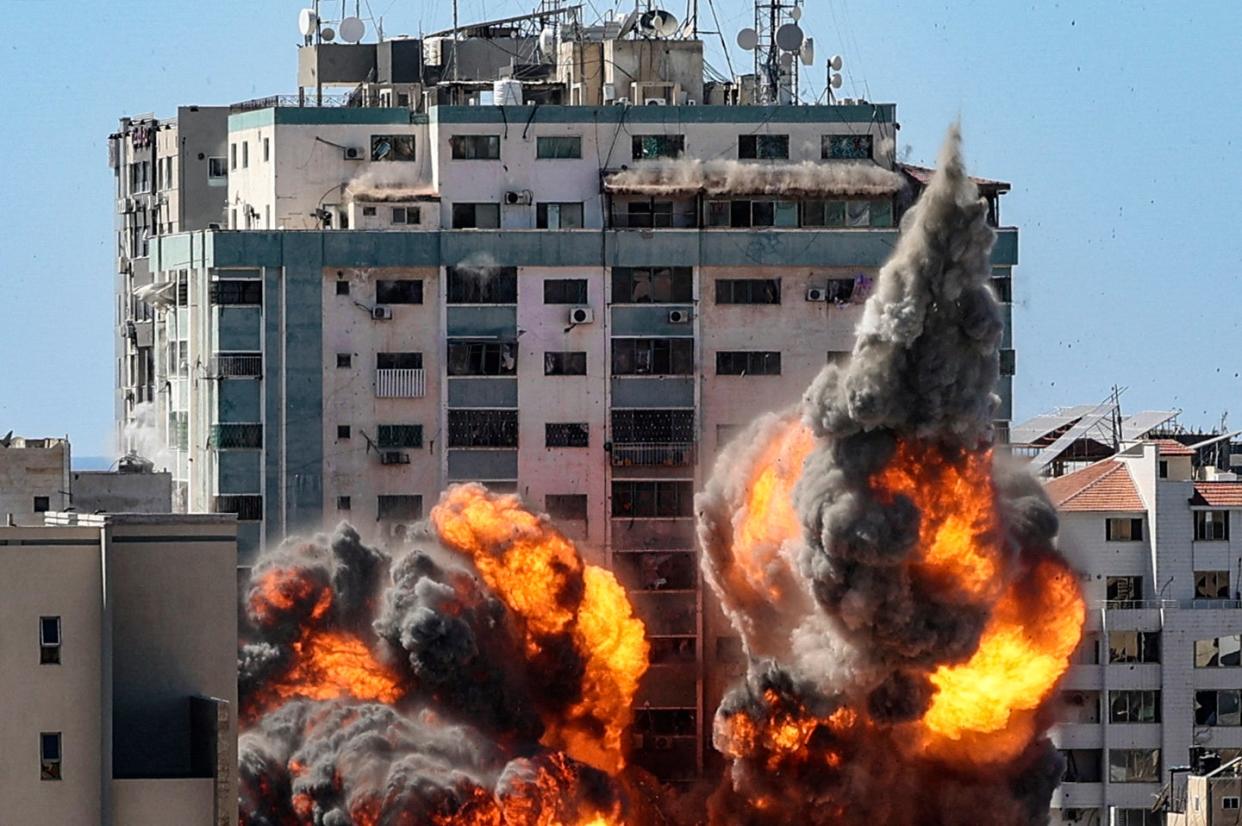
{"x":507,"y":92}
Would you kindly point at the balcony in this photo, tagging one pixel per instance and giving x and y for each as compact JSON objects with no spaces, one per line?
{"x":400,"y":383}
{"x":225,"y":436}
{"x":248,"y":507}
{"x":237,"y":365}
{"x":649,"y":454}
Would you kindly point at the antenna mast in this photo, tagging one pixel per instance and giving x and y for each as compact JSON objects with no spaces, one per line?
{"x":776,"y":58}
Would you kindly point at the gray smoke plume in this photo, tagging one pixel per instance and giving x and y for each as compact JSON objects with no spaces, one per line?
{"x":858,"y":626}
{"x":722,"y":177}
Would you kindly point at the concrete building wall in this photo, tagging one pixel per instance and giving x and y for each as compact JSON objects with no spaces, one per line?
{"x":97,"y":491}
{"x":31,"y":471}
{"x":188,"y":801}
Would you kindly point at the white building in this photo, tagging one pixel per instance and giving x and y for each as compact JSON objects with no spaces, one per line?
{"x":1157,"y":541}
{"x":118,"y":671}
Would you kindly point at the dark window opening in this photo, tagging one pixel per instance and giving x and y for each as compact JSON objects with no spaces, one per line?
{"x":652,"y":356}
{"x":1134,"y":646}
{"x":475,"y":147}
{"x":1124,"y":591}
{"x":49,"y":755}
{"x":399,"y":436}
{"x":490,"y":285}
{"x":482,"y":358}
{"x":1123,"y":530}
{"x":564,"y":363}
{"x":565,"y":291}
{"x":1211,"y":526}
{"x":748,"y":363}
{"x":42,"y":504}
{"x":483,"y":428}
{"x":763,"y":147}
{"x":846,"y":147}
{"x":343,"y":431}
{"x":652,"y":426}
{"x":652,"y":285}
{"x":1211,"y":584}
{"x":1008,"y":362}
{"x":646,"y":147}
{"x":476,"y":216}
{"x":650,"y":499}
{"x":399,"y":361}
{"x":392,"y":147}
{"x":406,"y":215}
{"x":402,"y":507}
{"x":556,"y":147}
{"x":236,"y":291}
{"x":566,"y":434}
{"x":49,"y":640}
{"x":343,"y":503}
{"x":342,"y":288}
{"x":566,"y":505}
{"x":748,"y":291}
{"x":567,"y":215}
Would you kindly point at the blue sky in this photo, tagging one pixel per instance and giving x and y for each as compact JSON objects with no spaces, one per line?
{"x":1116,"y":123}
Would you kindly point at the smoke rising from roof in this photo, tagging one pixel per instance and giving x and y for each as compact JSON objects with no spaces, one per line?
{"x":777,"y":179}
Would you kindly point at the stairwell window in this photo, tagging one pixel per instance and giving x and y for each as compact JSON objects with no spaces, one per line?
{"x":484,"y":285}
{"x":475,"y":147}
{"x":395,"y":436}
{"x":846,"y":147}
{"x":392,"y":148}
{"x":399,"y":291}
{"x":49,"y":755}
{"x":1123,"y":530}
{"x":49,"y":640}
{"x":565,"y":363}
{"x":558,"y":147}
{"x":566,"y":434}
{"x":476,"y":216}
{"x":1211,"y":526}
{"x":748,"y":363}
{"x":565,"y":291}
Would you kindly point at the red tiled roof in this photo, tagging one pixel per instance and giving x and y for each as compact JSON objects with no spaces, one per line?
{"x":1104,"y":486}
{"x":1172,"y":447}
{"x":1218,"y":494}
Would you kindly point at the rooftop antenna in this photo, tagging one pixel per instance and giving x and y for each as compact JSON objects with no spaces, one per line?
{"x":455,"y":74}
{"x":777,"y":40}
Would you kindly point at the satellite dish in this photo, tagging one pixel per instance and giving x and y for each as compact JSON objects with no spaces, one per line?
{"x":808,"y":51}
{"x":748,"y":39}
{"x":646,"y":21}
{"x":352,"y":29}
{"x":307,"y":20}
{"x":327,"y":34}
{"x":787,"y":62}
{"x":547,"y":41}
{"x":836,"y":80}
{"x":789,"y":37}
{"x":665,"y":23}
{"x":836,"y":62}
{"x":796,"y":13}
{"x":628,"y":24}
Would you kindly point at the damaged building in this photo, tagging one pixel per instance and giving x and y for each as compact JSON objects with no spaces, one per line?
{"x":566,"y":260}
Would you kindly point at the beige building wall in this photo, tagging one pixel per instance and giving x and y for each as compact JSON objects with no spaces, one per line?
{"x":32,"y":469}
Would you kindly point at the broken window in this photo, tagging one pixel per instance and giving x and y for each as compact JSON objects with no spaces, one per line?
{"x":739,"y":214}
{"x":566,"y":505}
{"x":483,"y":428}
{"x":1134,"y":706}
{"x":658,"y":570}
{"x":247,"y":507}
{"x":565,"y":291}
{"x":476,"y":216}
{"x":1211,"y":526}
{"x":647,"y":147}
{"x":217,"y":169}
{"x":572,"y":363}
{"x":1088,"y":650}
{"x":392,"y":147}
{"x":839,"y":290}
{"x":1134,"y":646}
{"x":482,"y":358}
{"x":566,"y":215}
{"x":763,"y":147}
{"x":665,"y":722}
{"x":650,"y":499}
{"x":763,"y":213}
{"x":672,"y":650}
{"x":482,"y":285}
{"x":1211,"y":584}
{"x":652,"y":426}
{"x":236,"y":291}
{"x":1219,"y":652}
{"x":718,"y":214}
{"x":649,"y":214}
{"x":558,"y":147}
{"x":475,"y":147}
{"x":1123,"y":530}
{"x":399,"y":291}
{"x":566,"y":434}
{"x":407,"y":215}
{"x":858,"y":213}
{"x":402,"y":507}
{"x":1079,"y":707}
{"x":846,"y":147}
{"x":1082,"y":765}
{"x":748,"y":363}
{"x":49,"y":755}
{"x":748,"y":291}
{"x":398,"y":361}
{"x":1133,"y":765}
{"x":652,"y":356}
{"x":399,"y":435}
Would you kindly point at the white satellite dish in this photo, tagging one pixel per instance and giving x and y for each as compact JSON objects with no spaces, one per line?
{"x":789,"y":37}
{"x":665,"y":23}
{"x":307,"y":20}
{"x":787,"y":62}
{"x":327,"y":34}
{"x":808,"y":51}
{"x":836,"y":62}
{"x":796,"y":13}
{"x":836,"y":80}
{"x":352,"y":29}
{"x":748,"y":39}
{"x":628,"y":24}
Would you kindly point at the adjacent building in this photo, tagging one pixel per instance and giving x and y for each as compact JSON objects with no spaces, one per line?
{"x":34,"y":478}
{"x":118,"y":670}
{"x":1207,"y":795}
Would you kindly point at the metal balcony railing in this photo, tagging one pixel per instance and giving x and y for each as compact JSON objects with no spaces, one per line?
{"x":400,"y":383}
{"x":1198,"y":604}
{"x":307,"y":101}
{"x":225,"y":436}
{"x":248,"y":507}
{"x":237,"y":365}
{"x":666,"y":454}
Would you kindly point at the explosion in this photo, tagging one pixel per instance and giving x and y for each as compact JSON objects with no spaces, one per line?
{"x":486,"y":680}
{"x":894,"y":583}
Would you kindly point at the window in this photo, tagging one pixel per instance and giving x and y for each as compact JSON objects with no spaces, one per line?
{"x":343,"y":431}
{"x":267,"y":149}
{"x":403,"y":507}
{"x":476,"y":216}
{"x":1134,"y":646}
{"x":748,"y":291}
{"x":344,"y":359}
{"x":1008,"y":362}
{"x":1088,"y":650}
{"x":483,"y":428}
{"x":399,"y":435}
{"x":763,"y":147}
{"x":407,"y":215}
{"x":1218,"y":708}
{"x":42,"y":504}
{"x":343,"y":503}
{"x":846,"y":147}
{"x":1229,"y":802}
{"x":652,"y":285}
{"x":342,"y":287}
{"x":49,"y":640}
{"x":217,"y":169}
{"x":565,"y":291}
{"x":647,"y":499}
{"x":399,"y":361}
{"x":652,"y":356}
{"x":236,"y":291}
{"x":481,"y":358}
{"x":1134,"y":706}
{"x":368,"y":211}
{"x":558,"y":215}
{"x":392,"y":147}
{"x":649,"y":213}
{"x":399,"y":291}
{"x":1082,"y":765}
{"x":491,"y":285}
{"x":1137,"y":817}
{"x":659,"y":426}
{"x":566,"y":505}
{"x":1079,"y":707}
{"x":1123,"y":530}
{"x":1002,"y":288}
{"x":1164,"y":469}
{"x":557,"y":147}
{"x":475,"y":147}
{"x":1211,"y":585}
{"x":232,"y":156}
{"x":748,"y":363}
{"x":1211,"y":526}
{"x":566,"y":434}
{"x":49,"y":755}
{"x":1124,"y":591}
{"x":564,"y":363}
{"x":1219,"y":652}
{"x":1133,"y":765}
{"x":245,"y":154}
{"x":647,"y":147}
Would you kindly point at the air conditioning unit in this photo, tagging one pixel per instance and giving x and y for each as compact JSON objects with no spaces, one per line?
{"x":381,"y":313}
{"x":394,"y":457}
{"x":517,"y":198}
{"x":816,"y":294}
{"x":655,"y":102}
{"x":678,"y":316}
{"x":581,"y":315}
{"x":353,"y":153}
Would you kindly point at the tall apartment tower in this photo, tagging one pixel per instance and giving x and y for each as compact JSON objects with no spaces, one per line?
{"x":562,"y":267}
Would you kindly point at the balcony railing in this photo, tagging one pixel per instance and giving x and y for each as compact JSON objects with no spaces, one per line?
{"x":1200,"y":604}
{"x":400,"y":383}
{"x":224,"y":436}
{"x":237,"y":365}
{"x":306,"y":101}
{"x":666,"y":454}
{"x":248,"y":507}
